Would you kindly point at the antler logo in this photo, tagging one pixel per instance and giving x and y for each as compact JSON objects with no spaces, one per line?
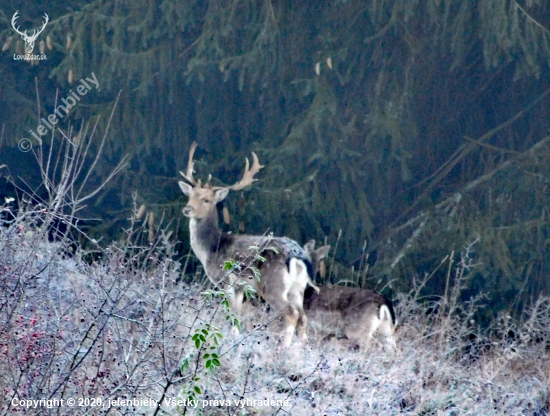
{"x":29,"y":40}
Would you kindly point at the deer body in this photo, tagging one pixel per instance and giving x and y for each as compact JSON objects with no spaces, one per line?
{"x":363,"y":316}
{"x":285,"y":272}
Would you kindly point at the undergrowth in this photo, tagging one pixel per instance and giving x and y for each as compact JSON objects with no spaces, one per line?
{"x":127,"y":327}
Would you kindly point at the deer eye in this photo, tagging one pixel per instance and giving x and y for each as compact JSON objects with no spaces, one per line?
{"x":207,"y":201}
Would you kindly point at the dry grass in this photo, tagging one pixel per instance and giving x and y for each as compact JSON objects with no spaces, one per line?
{"x":122,"y":327}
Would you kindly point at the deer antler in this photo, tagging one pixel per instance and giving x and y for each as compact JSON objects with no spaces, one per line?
{"x":248,"y":177}
{"x":188,"y":175}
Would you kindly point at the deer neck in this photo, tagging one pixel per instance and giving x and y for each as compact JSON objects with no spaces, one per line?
{"x":205,"y":236}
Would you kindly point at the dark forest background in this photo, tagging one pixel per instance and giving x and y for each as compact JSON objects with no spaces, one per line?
{"x":401,"y":130}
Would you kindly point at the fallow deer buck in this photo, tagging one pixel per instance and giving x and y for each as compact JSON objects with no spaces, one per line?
{"x":363,"y":316}
{"x":286,"y":268}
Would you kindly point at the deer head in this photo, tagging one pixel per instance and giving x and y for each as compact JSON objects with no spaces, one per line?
{"x":203,"y":199}
{"x":317,"y":256}
{"x":29,"y":40}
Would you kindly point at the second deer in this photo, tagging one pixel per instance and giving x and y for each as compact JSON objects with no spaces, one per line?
{"x":363,"y":316}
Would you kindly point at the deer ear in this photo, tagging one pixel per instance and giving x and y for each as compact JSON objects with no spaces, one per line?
{"x":322,"y":252}
{"x":309,"y":247}
{"x":185,"y":188}
{"x":220,"y":194}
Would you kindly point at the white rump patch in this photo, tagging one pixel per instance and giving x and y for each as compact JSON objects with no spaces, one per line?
{"x":298,"y":272}
{"x":386,"y":328}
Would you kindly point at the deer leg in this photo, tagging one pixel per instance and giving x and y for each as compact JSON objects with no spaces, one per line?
{"x":290,"y":314}
{"x":296,"y":299}
{"x":236,"y":294}
{"x":302,"y":325}
{"x":373,"y":329}
{"x":236,"y":301}
{"x":291,"y":317}
{"x":281,"y":304}
{"x":371,"y":339}
{"x":299,"y":277}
